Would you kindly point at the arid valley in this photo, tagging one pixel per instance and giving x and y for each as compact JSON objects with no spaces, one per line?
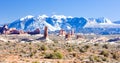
{"x":57,"y":49}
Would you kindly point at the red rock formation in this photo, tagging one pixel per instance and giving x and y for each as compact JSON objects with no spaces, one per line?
{"x":0,"y":30}
{"x":68,"y":36}
{"x":22,"y":32}
{"x":78,"y":36}
{"x":62,"y":32}
{"x":46,"y":32}
{"x":72,"y":32}
{"x":14,"y":32}
{"x":37,"y":31}
{"x":12,"y":29}
{"x":4,"y":29}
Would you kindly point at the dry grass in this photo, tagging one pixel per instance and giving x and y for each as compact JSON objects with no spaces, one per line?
{"x":58,"y":52}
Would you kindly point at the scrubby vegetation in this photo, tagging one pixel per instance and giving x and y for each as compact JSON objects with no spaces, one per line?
{"x":54,"y":55}
{"x":60,"y":50}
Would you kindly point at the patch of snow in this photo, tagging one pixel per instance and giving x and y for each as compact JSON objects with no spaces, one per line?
{"x":27,"y":17}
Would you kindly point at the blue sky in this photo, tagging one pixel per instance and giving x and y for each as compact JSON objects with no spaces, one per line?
{"x":10,"y":10}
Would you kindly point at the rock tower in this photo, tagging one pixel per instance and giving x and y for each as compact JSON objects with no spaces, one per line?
{"x":46,"y":32}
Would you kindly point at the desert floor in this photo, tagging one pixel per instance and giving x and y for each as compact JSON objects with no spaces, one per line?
{"x":56,"y":49}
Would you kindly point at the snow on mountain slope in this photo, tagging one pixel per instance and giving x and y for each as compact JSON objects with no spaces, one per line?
{"x":27,"y":17}
{"x":31,"y":23}
{"x":103,"y":20}
{"x":116,"y":22}
{"x":100,"y":23}
{"x":57,"y":22}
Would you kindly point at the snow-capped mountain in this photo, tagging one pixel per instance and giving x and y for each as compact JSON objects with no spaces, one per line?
{"x":100,"y":23}
{"x":117,"y":22}
{"x":57,"y":22}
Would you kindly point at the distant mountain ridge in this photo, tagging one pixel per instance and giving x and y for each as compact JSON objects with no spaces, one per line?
{"x":57,"y":22}
{"x":117,"y":22}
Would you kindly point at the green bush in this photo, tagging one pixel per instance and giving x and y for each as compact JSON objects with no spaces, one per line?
{"x":55,"y":55}
{"x":105,"y":53}
{"x":96,"y":44}
{"x":31,"y":54}
{"x":43,"y":47}
{"x":104,"y":58}
{"x":35,"y":62}
{"x":105,"y":46}
{"x":115,"y":56}
{"x":55,"y":41}
{"x":95,"y":58}
{"x":70,"y":49}
{"x":84,"y":48}
{"x":74,"y":54}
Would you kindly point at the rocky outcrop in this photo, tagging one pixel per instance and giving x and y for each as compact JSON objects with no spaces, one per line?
{"x":62,"y":32}
{"x":72,"y":32}
{"x":67,"y":36}
{"x":37,"y":31}
{"x":46,"y":32}
{"x":3,"y":29}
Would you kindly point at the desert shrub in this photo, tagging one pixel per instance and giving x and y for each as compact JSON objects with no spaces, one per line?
{"x":30,"y":48}
{"x":115,"y":56}
{"x":53,"y":44}
{"x":31,"y":54}
{"x":30,"y":43}
{"x":43,"y":47}
{"x":27,"y":60}
{"x":35,"y":62}
{"x":84,"y":48}
{"x":7,"y":43}
{"x":55,"y":55}
{"x":104,"y":58}
{"x":70,"y":49}
{"x":96,"y":44}
{"x":35,"y":51}
{"x":56,"y":49}
{"x":42,"y":53}
{"x":55,"y":41}
{"x":23,"y":51}
{"x":118,"y":46}
{"x":91,"y":58}
{"x":105,"y":53}
{"x":74,"y":54}
{"x":67,"y":45}
{"x":105,"y":46}
{"x":0,"y":44}
{"x":95,"y":58}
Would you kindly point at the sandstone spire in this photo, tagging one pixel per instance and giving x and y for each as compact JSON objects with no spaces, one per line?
{"x":62,"y":32}
{"x":67,"y":36}
{"x":46,"y":32}
{"x":72,"y":32}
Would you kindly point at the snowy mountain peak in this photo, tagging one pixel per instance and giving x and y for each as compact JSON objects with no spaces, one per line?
{"x":103,"y":20}
{"x":26,"y":17}
{"x":58,"y":16}
{"x":57,"y":22}
{"x":43,"y":16}
{"x":70,"y":17}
